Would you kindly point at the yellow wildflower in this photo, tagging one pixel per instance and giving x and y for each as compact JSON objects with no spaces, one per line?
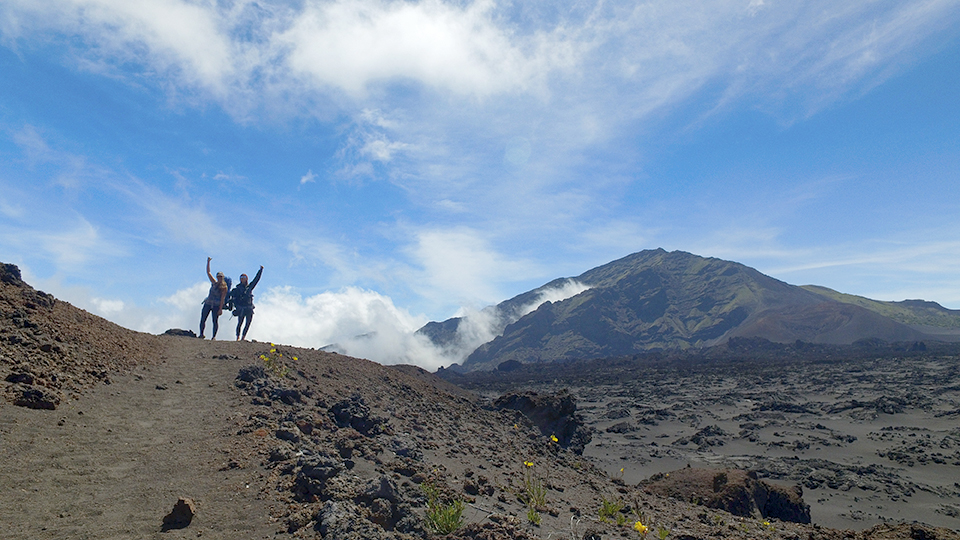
{"x":640,"y":528}
{"x":554,"y":438}
{"x":294,"y":358}
{"x":528,"y":463}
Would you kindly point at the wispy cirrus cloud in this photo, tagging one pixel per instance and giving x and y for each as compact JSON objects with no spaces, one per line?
{"x":655,"y":52}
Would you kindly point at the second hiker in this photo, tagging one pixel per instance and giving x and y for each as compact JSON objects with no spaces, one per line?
{"x":243,"y":302}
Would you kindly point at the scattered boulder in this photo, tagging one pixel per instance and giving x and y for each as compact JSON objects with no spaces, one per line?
{"x":34,"y":397}
{"x":10,"y":273}
{"x":733,"y":490}
{"x":311,"y":479}
{"x":181,"y":515}
{"x":908,"y":531}
{"x":354,"y":413}
{"x":555,"y":414}
{"x":622,"y":427}
{"x":343,"y":520}
{"x":179,"y":332}
{"x":257,"y":382}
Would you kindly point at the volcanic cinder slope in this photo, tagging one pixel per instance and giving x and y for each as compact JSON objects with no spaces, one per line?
{"x":103,"y":430}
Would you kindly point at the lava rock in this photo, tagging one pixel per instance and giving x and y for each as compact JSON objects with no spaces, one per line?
{"x":555,"y":414}
{"x":181,"y":515}
{"x":733,"y":490}
{"x":179,"y":332}
{"x":354,"y":413}
{"x":34,"y":397}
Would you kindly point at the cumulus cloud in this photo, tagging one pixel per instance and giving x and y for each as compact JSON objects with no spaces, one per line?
{"x":457,"y":47}
{"x":353,"y":321}
{"x":460,"y":264}
{"x":367,"y":324}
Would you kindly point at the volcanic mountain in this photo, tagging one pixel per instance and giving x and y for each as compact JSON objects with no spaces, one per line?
{"x":656,"y":299}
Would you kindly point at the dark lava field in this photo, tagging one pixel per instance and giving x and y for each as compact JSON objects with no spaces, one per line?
{"x":871,"y":433}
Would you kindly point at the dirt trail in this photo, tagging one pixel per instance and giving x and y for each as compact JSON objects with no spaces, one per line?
{"x":114,"y":462}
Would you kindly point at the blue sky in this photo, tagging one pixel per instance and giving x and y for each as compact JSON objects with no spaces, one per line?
{"x":393,"y":162}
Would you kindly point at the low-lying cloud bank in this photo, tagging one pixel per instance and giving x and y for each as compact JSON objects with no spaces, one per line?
{"x":351,"y":321}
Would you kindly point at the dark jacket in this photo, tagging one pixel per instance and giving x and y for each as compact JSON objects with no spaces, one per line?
{"x":243,"y":295}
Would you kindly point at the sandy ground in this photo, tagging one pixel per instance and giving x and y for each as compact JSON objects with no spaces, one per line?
{"x":112,"y":463}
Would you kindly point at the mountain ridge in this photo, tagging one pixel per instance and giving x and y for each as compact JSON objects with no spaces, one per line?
{"x":654,"y":299}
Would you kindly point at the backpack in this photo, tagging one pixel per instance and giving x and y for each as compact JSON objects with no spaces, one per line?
{"x":228,"y":301}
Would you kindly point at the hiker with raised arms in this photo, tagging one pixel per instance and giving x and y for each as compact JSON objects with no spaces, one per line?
{"x":242,"y":297}
{"x":213,"y":304}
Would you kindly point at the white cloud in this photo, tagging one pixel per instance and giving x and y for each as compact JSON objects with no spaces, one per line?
{"x":461,"y":266}
{"x":355,"y":321}
{"x":568,"y":289}
{"x":72,"y":244}
{"x":359,"y":322}
{"x":106,"y":307}
{"x":460,"y":48}
{"x":309,"y":177}
{"x":380,"y":149}
{"x":189,"y":298}
{"x":182,"y":37}
{"x":477,"y":327}
{"x":597,"y":65}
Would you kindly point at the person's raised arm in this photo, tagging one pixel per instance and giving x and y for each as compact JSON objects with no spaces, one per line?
{"x":209,"y":275}
{"x":256,"y":279}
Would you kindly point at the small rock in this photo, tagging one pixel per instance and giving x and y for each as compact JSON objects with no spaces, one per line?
{"x":181,"y":515}
{"x":592,"y":534}
{"x":20,"y":377}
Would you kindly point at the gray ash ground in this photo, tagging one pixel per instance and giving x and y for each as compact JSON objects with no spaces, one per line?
{"x":870,"y":435}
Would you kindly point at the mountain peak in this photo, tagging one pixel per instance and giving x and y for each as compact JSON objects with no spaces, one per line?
{"x":655,"y":299}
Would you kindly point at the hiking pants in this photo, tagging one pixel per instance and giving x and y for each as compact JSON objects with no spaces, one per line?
{"x":244,"y":313}
{"x":207,"y":310}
